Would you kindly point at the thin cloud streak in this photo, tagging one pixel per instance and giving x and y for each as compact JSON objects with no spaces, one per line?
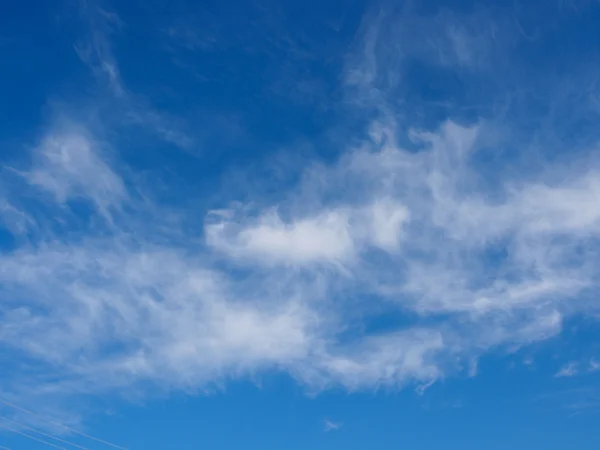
{"x":328,"y":426}
{"x":95,"y":51}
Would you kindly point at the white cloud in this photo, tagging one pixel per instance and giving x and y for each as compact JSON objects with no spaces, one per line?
{"x":334,"y":236}
{"x":392,"y":38}
{"x":14,"y":219}
{"x":67,"y":163}
{"x":574,"y":368}
{"x":471,"y":255}
{"x":173,"y":320}
{"x":390,"y":360}
{"x":569,"y":370}
{"x":328,"y":425}
{"x":95,"y":51}
{"x":324,"y":238}
{"x":136,"y":306}
{"x":386,"y":220}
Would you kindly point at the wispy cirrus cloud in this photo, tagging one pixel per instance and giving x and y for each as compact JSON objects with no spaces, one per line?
{"x":415,"y":218}
{"x":575,"y":368}
{"x":569,"y":370}
{"x":67,"y":165}
{"x":178,"y":320}
{"x":95,"y":49}
{"x":328,"y":425}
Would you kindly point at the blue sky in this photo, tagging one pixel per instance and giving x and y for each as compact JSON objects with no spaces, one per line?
{"x":287,"y":225}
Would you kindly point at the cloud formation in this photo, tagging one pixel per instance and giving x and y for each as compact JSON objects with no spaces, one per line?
{"x":328,"y":426}
{"x":112,"y":288}
{"x":334,"y":236}
{"x":67,"y":166}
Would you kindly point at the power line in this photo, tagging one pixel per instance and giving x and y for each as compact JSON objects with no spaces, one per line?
{"x":31,"y":437}
{"x":72,"y":444}
{"x":61,"y":425}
